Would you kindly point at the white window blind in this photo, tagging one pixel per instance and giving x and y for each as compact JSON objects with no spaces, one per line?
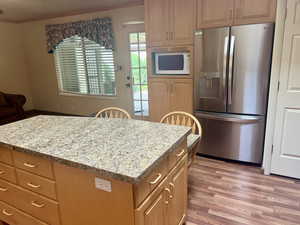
{"x":85,"y":67}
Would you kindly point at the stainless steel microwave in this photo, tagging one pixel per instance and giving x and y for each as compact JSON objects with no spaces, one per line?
{"x":172,"y":63}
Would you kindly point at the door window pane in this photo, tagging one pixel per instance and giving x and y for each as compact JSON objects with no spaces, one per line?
{"x":144,"y":77}
{"x":136,"y":78}
{"x":138,"y":57}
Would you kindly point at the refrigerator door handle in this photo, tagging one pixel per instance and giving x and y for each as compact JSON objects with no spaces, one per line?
{"x":243,"y":119}
{"x":230,"y":69}
{"x":226,"y":43}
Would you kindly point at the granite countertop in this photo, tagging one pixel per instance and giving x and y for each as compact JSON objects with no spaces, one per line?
{"x":126,"y":150}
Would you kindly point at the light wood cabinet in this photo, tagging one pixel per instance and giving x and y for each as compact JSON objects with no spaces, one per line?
{"x":178,"y":202}
{"x":80,"y":196}
{"x":159,"y":98}
{"x":157,"y":22}
{"x":254,"y":11}
{"x":216,"y":13}
{"x":168,"y":203}
{"x":13,"y":216}
{"x":5,"y":156}
{"x":153,"y":212}
{"x":168,"y":95}
{"x":220,"y":13}
{"x":170,"y":22}
{"x":182,"y":20}
{"x":181,"y":95}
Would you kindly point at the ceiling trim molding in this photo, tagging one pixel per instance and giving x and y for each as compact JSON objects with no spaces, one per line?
{"x":78,"y":12}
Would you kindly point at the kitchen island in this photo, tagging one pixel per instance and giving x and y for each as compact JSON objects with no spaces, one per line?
{"x":91,"y":171}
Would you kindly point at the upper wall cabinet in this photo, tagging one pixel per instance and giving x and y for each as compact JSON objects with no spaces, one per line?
{"x":254,"y":11}
{"x":214,"y":13}
{"x":170,"y":22}
{"x":157,"y":22}
{"x":219,"y":13}
{"x":183,"y":21}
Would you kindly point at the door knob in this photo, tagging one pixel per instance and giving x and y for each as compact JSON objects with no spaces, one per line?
{"x":128,"y":85}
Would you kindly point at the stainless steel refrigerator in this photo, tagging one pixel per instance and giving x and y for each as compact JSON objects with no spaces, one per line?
{"x":231,"y":89}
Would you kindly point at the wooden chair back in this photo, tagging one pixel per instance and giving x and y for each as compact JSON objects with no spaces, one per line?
{"x":113,"y":112}
{"x":183,"y":119}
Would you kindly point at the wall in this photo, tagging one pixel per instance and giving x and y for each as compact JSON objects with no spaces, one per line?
{"x":13,"y":70}
{"x":42,"y":69}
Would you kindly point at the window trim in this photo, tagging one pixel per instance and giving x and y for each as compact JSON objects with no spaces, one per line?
{"x":75,"y":94}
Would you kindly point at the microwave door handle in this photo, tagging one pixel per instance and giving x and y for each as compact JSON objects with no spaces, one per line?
{"x":230,"y":69}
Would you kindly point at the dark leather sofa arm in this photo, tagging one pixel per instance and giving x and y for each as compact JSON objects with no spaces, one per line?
{"x":18,"y":101}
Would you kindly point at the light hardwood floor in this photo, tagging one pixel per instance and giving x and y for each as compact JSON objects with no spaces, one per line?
{"x":222,"y":193}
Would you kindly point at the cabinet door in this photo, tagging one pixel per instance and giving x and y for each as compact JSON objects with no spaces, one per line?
{"x":181,"y":95}
{"x":178,"y":203}
{"x":159,"y":98}
{"x":154,"y":213}
{"x":157,"y":22}
{"x":254,"y":11}
{"x":214,"y":13}
{"x":182,"y":21}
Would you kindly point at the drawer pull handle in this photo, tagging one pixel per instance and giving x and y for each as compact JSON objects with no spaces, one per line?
{"x":3,"y":189}
{"x":156,"y":179}
{"x":172,"y":190}
{"x":29,"y":165}
{"x":181,"y":153}
{"x":169,"y":192}
{"x":33,"y":185}
{"x":6,"y":213}
{"x":2,"y":172}
{"x":33,"y":203}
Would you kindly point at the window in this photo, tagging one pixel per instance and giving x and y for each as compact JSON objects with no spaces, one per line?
{"x":138,"y":58}
{"x":85,"y":67}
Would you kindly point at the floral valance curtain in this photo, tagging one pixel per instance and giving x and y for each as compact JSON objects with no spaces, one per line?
{"x":97,"y":30}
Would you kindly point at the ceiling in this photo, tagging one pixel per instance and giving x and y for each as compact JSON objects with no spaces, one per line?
{"x":27,"y":10}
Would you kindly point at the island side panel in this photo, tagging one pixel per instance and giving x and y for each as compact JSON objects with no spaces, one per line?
{"x":82,"y":203}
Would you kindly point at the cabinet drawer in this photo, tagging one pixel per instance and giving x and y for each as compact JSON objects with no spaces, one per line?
{"x":10,"y":215}
{"x":33,"y":204}
{"x":5,"y":156}
{"x":177,"y":154}
{"x":144,"y":188}
{"x":33,"y":164}
{"x":36,"y":184}
{"x":7,"y":173}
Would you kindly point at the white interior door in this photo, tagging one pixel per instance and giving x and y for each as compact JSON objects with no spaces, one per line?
{"x":137,"y":70}
{"x":286,"y":149}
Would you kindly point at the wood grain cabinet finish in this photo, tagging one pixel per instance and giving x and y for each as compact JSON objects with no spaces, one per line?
{"x":157,"y":25}
{"x":7,"y":173}
{"x":221,"y":13}
{"x":254,"y":11}
{"x":170,"y":22}
{"x":5,"y":156}
{"x":159,"y":98}
{"x":13,"y":216}
{"x":33,"y":164}
{"x":145,"y":187}
{"x":167,"y":204}
{"x":167,"y":95}
{"x":214,"y":13}
{"x":153,"y":211}
{"x":36,"y":184}
{"x":183,"y":22}
{"x":33,"y":204}
{"x":178,"y":197}
{"x":75,"y":196}
{"x":181,"y":95}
